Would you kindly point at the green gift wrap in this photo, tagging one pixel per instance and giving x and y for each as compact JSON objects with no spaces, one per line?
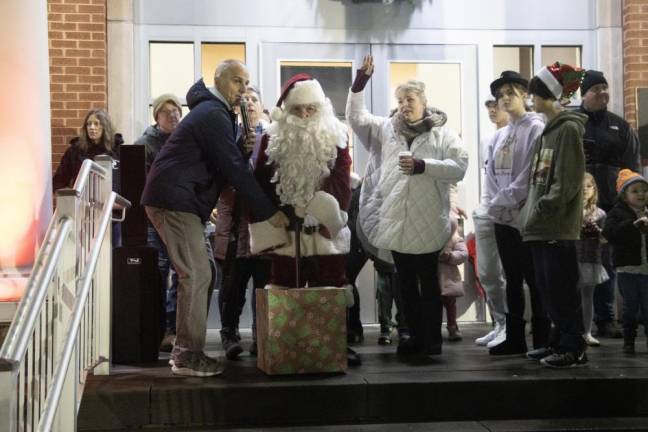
{"x":301,"y":330}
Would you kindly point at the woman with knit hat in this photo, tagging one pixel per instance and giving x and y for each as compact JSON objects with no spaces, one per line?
{"x":626,"y":228}
{"x":553,"y":213}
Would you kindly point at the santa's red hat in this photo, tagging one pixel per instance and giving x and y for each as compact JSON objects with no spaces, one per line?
{"x":562,"y":80}
{"x":300,"y":89}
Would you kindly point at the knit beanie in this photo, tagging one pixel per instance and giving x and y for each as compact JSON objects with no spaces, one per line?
{"x":626,"y":178}
{"x":159,"y":102}
{"x":592,"y":78}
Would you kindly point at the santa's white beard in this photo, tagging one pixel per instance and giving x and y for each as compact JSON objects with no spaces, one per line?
{"x":303,"y":152}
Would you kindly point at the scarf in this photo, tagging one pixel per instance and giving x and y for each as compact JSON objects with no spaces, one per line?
{"x":432,"y":117}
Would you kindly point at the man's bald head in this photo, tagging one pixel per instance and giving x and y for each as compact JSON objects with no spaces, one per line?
{"x":231,"y":80}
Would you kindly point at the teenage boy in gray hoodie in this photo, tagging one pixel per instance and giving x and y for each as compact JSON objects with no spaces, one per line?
{"x":553,"y":213}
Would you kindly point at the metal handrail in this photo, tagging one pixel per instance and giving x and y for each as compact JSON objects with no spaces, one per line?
{"x":82,"y":178}
{"x":39,"y":376}
{"x":24,"y":320}
{"x":58,"y":378}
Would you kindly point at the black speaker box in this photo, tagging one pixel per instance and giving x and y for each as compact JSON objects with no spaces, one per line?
{"x":133,"y":179}
{"x":138,"y":318}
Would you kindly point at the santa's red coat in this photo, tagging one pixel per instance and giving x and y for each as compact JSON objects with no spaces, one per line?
{"x":322,"y":255}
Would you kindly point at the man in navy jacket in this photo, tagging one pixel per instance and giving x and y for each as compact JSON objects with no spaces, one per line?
{"x":182,"y":188}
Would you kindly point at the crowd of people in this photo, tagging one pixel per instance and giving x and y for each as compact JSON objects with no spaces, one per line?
{"x":563,"y":211}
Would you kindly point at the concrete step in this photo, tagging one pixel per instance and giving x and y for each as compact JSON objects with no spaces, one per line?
{"x":465,"y":384}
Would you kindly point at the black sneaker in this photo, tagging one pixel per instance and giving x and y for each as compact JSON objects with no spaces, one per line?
{"x":628,"y":348}
{"x":540,"y":353}
{"x":565,"y":360}
{"x":231,"y":345}
{"x":609,"y":330}
{"x":354,"y":337}
{"x":353,"y":358}
{"x":385,"y":338}
{"x":408,"y":347}
{"x":254,"y":350}
{"x":167,"y":342}
{"x":434,"y":350}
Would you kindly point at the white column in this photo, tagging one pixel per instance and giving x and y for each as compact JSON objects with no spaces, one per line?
{"x":25,"y":140}
{"x":609,"y":34}
{"x":121,"y":83}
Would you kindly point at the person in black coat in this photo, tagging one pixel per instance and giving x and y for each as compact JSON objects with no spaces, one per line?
{"x":95,"y":138}
{"x":182,"y":188}
{"x":610,"y":145}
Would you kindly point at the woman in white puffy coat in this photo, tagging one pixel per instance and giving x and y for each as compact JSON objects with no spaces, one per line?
{"x":404,"y":203}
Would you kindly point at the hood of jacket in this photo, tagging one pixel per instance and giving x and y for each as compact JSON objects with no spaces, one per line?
{"x":199,"y":93}
{"x":564,"y":117}
{"x":526,"y":120}
{"x":154,"y":132}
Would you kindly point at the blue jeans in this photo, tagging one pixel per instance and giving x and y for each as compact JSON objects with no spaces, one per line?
{"x":170,"y":293}
{"x":634,"y":288}
{"x":604,"y":292}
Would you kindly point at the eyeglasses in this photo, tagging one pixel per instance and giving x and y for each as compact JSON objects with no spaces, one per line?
{"x":169,"y":113}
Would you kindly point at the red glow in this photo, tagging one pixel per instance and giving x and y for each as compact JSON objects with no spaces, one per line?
{"x":12,"y":289}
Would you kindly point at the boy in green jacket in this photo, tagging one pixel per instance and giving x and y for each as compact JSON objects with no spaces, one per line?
{"x":552,"y":213}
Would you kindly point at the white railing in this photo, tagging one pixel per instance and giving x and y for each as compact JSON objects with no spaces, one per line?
{"x":61,"y":329}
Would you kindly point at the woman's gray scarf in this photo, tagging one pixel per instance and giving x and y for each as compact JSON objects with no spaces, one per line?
{"x":432,"y":117}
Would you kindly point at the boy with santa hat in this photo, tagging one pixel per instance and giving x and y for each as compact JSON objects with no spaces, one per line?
{"x":553,"y":213}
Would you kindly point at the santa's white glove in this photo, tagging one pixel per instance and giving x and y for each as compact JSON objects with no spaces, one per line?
{"x":311,"y":221}
{"x":326,"y":209}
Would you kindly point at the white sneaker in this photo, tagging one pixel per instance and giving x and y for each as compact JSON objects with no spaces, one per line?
{"x":483,"y":341}
{"x":591,"y":340}
{"x":498,"y":339}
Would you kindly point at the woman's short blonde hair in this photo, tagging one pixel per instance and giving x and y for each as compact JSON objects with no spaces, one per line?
{"x":413,"y":86}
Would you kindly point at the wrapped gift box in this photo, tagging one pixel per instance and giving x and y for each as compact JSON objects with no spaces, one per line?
{"x":301,"y":330}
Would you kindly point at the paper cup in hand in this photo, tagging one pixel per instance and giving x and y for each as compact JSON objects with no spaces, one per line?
{"x":402,"y":156}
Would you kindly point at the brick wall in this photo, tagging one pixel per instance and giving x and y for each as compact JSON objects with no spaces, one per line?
{"x":77,"y":50}
{"x":635,"y":54}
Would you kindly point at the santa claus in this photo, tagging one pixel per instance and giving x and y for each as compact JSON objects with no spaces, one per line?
{"x":303,"y":164}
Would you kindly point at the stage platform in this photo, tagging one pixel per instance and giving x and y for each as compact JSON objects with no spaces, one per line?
{"x":465,"y":386}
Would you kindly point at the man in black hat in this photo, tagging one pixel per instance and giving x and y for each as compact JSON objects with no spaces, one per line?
{"x":610,"y":145}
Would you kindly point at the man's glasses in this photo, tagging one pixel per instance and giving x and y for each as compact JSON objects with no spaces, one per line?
{"x":169,"y":113}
